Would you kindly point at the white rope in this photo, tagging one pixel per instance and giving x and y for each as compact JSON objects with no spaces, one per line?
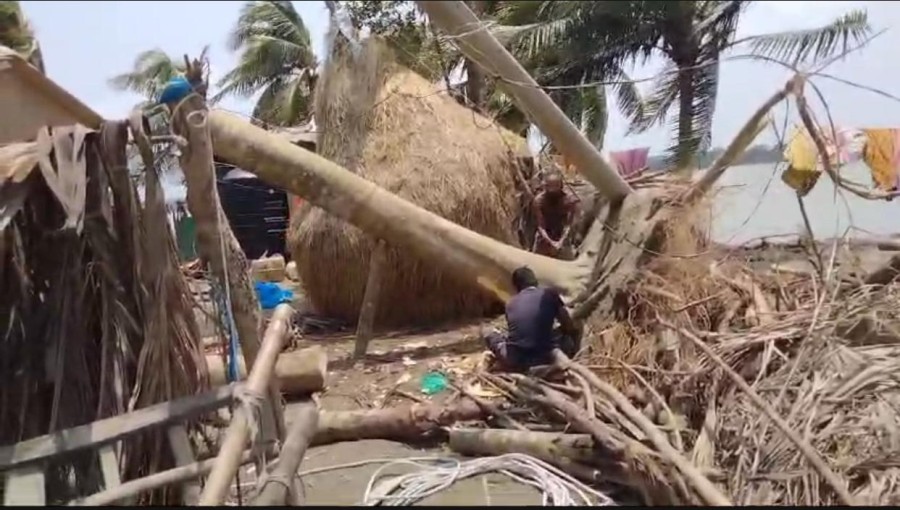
{"x":436,"y":474}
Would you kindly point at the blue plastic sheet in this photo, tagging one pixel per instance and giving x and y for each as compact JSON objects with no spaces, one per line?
{"x":271,"y":295}
{"x":175,"y":90}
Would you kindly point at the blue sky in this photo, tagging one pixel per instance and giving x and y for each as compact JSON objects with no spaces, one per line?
{"x":87,"y":42}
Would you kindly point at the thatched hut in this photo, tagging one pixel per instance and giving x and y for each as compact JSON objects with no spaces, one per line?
{"x":406,"y":134}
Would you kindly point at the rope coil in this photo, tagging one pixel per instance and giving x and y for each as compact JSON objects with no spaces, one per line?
{"x":436,"y":474}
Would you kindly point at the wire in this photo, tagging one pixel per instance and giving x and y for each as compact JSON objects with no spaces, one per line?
{"x":436,"y":474}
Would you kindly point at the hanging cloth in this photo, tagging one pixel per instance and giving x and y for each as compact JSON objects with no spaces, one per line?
{"x":882,"y":155}
{"x":803,"y":169}
{"x":631,"y":162}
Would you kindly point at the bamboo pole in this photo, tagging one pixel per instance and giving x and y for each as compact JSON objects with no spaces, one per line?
{"x":229,"y":459}
{"x":165,"y":478}
{"x":274,"y":490}
{"x":370,"y":300}
{"x":481,"y":47}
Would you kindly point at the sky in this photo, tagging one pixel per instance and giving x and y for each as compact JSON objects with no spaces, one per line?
{"x":84,"y":43}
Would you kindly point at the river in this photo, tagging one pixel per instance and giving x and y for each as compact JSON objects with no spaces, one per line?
{"x":753,"y":202}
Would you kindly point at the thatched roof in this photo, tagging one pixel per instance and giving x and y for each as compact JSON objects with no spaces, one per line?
{"x":97,"y":317}
{"x":395,"y":128}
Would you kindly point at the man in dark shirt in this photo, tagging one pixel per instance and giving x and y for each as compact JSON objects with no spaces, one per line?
{"x":530,"y":316}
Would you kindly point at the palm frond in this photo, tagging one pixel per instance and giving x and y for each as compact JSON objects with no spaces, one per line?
{"x":814,"y":44}
{"x":267,"y":106}
{"x":277,"y":19}
{"x":628,"y":97}
{"x":656,"y":107}
{"x":275,"y":55}
{"x":152,"y":69}
{"x":594,"y":114}
{"x":506,"y":113}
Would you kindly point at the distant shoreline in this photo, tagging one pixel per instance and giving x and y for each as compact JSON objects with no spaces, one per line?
{"x":755,"y":155}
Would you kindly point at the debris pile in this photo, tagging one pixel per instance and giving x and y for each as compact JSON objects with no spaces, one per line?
{"x":713,"y":383}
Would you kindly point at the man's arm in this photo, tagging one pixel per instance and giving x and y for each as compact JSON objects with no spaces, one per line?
{"x":566,"y":324}
{"x":539,"y":216}
{"x":570,"y":205}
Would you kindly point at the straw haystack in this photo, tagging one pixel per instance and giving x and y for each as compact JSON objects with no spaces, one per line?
{"x":398,"y":130}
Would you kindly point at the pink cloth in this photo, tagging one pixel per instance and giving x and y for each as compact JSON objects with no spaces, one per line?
{"x":629,"y":163}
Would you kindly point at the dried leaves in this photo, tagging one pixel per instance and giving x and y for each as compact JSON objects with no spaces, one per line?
{"x":75,"y":299}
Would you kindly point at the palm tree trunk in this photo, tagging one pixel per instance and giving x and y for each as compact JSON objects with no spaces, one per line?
{"x":456,"y":19}
{"x":380,"y":213}
{"x":685,"y":159}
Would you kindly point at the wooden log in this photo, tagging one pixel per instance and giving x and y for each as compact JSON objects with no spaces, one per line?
{"x":274,"y":490}
{"x":369,"y":307}
{"x":299,"y":372}
{"x":401,"y":423}
{"x":258,"y":383}
{"x":544,"y":445}
{"x":572,"y":453}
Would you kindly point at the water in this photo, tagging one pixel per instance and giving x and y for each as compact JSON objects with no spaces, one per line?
{"x":753,"y":202}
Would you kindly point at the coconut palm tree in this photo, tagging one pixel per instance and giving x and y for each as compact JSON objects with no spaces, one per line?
{"x":17,"y":35}
{"x":149,"y":75}
{"x":511,"y":22}
{"x":692,"y":36}
{"x":276,"y":59}
{"x":151,"y":71}
{"x":569,"y":81}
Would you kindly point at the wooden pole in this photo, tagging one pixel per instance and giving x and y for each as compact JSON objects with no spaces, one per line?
{"x":370,"y":300}
{"x":229,"y":459}
{"x":165,"y":478}
{"x":274,"y":491}
{"x":215,"y":240}
{"x":481,"y":47}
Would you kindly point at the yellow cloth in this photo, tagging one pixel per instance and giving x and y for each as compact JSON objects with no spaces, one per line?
{"x":881,"y":155}
{"x":803,"y":171}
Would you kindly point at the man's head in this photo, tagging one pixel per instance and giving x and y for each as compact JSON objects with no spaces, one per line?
{"x":553,"y":184}
{"x":523,"y":278}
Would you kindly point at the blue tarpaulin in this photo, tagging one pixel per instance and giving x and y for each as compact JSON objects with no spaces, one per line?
{"x":271,"y":295}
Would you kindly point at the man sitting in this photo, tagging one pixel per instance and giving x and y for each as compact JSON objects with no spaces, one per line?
{"x":530,"y":316}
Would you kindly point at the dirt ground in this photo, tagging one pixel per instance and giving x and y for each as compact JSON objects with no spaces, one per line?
{"x":390,"y":376}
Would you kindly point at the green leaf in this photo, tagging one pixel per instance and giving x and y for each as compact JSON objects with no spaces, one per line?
{"x":814,"y":44}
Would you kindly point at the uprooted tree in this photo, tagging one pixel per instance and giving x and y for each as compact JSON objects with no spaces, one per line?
{"x":611,"y":247}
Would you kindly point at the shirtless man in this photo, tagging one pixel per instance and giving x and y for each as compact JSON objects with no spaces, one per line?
{"x":555,"y":212}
